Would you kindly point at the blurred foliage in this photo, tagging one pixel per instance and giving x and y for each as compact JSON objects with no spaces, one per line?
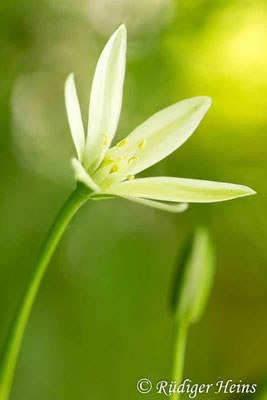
{"x":101,"y":319}
{"x":262,"y":393}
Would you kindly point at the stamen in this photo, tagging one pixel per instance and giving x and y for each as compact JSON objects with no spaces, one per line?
{"x":130,"y":177}
{"x":105,"y":138}
{"x":142,"y":144}
{"x":122,"y":142}
{"x":114,"y":168}
{"x":106,"y":162}
{"x":133,"y":158}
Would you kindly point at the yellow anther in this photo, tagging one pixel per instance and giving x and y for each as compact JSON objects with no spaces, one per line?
{"x":134,"y":158}
{"x":106,"y":162}
{"x":130,"y":177}
{"x":142,"y":144}
{"x":114,"y":168}
{"x":105,"y":138}
{"x":122,"y":142}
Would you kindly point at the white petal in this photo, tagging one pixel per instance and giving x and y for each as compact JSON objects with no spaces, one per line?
{"x":101,"y":174}
{"x":164,"y":132}
{"x":111,"y":180}
{"x":106,"y":97}
{"x":82,"y":176}
{"x":180,"y":190}
{"x":174,"y":207}
{"x":74,"y":116}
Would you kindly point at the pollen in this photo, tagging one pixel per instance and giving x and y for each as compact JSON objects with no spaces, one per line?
{"x":142,"y":144}
{"x":134,"y":158}
{"x":105,"y":138}
{"x":130,"y":177}
{"x":114,"y":168}
{"x":122,"y":142}
{"x":106,"y":162}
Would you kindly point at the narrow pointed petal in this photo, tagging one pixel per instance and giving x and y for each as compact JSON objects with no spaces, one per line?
{"x":174,"y":207}
{"x":82,"y":176}
{"x":162,"y":133}
{"x":180,"y":190}
{"x":106,"y":97}
{"x":74,"y":116}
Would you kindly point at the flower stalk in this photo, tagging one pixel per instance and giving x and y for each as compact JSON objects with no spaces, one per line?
{"x":179,"y":355}
{"x":15,"y":335}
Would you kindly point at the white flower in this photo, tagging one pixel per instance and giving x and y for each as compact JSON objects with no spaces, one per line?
{"x":110,"y":171}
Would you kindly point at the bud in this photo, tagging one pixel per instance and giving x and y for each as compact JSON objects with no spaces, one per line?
{"x":194,"y":277}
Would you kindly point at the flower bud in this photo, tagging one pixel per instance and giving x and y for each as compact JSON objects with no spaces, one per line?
{"x":194,"y":277}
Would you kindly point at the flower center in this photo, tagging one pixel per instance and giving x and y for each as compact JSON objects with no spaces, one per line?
{"x":114,"y":171}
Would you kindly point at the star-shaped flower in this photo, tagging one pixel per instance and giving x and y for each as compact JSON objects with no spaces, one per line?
{"x":110,"y":171}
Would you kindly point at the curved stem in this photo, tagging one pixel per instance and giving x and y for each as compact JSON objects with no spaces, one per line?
{"x":12,"y":346}
{"x":180,"y":346}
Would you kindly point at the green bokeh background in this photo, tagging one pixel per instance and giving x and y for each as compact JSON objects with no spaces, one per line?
{"x":101,"y":320}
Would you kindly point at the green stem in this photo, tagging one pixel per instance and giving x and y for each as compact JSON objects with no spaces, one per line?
{"x":179,"y":355}
{"x":12,"y":346}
